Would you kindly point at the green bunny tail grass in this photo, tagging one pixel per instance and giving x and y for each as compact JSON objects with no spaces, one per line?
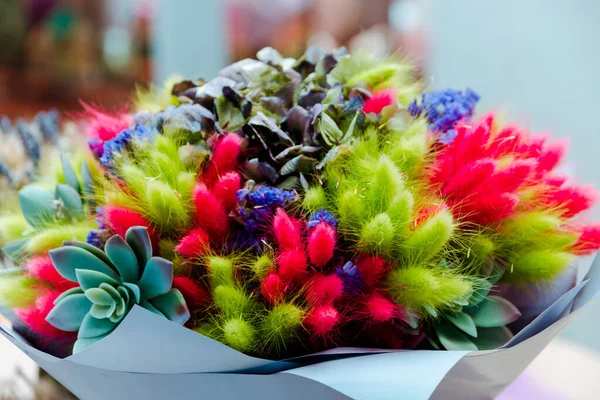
{"x":11,"y":227}
{"x":537,"y":266}
{"x":377,"y":235}
{"x":155,"y":98}
{"x":401,"y":210}
{"x":161,"y":187}
{"x":185,"y":186}
{"x":386,"y":183}
{"x":165,"y":207}
{"x":476,"y":252}
{"x":314,"y":198}
{"x":135,"y":177}
{"x":18,"y":290}
{"x":231,"y":301}
{"x":280,"y":327}
{"x":239,"y":334}
{"x":430,"y":291}
{"x":362,"y":68}
{"x":262,"y":266}
{"x":429,"y":238}
{"x":220,"y":271}
{"x":409,"y":151}
{"x":351,"y":208}
{"x":536,"y":229}
{"x":52,"y":237}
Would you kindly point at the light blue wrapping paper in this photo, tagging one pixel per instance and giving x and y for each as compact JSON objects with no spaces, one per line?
{"x":151,"y":358}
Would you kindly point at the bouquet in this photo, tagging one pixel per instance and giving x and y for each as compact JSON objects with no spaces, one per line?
{"x":299,"y":224}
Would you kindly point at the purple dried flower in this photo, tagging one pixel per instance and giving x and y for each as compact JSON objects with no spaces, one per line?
{"x":350,"y":275}
{"x":123,"y":139}
{"x":321,"y":215}
{"x":94,"y":238}
{"x":443,"y":108}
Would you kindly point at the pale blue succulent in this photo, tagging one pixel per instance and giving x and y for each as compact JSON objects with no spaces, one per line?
{"x":111,"y":283}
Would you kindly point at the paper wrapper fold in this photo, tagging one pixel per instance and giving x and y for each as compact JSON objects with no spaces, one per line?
{"x":151,"y":358}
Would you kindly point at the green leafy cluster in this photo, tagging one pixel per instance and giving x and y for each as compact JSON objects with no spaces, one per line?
{"x":50,"y":217}
{"x":376,"y":194}
{"x":535,"y":244}
{"x":298,"y":115}
{"x":160,"y":184}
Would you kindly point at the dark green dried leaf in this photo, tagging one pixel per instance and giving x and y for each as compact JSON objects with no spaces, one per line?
{"x":289,"y":183}
{"x":298,"y":163}
{"x":230,"y":117}
{"x":260,"y":171}
{"x":311,"y":97}
{"x":188,"y":119}
{"x":261,"y":120}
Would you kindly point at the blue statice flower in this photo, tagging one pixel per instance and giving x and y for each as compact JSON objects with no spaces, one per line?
{"x":101,"y":218}
{"x":270,"y":196}
{"x":123,"y":139}
{"x":256,"y":208}
{"x":350,"y":275}
{"x":48,"y":123}
{"x":31,"y":144}
{"x":5,"y":124}
{"x":321,"y":216}
{"x":443,"y":108}
{"x":5,"y":171}
{"x":94,"y":238}
{"x":448,"y":136}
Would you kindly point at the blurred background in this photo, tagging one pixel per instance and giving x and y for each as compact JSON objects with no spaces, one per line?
{"x":535,"y":61}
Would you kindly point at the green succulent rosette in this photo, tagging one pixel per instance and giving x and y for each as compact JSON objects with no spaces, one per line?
{"x":111,"y":282}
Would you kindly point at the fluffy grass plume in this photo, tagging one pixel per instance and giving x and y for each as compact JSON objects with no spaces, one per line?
{"x":430,"y":291}
{"x":17,"y":290}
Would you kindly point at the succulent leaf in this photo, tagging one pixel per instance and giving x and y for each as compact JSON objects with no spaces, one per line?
{"x":494,"y":312}
{"x":68,"y":259}
{"x":70,"y":174}
{"x":172,"y":305}
{"x":106,"y":295}
{"x":123,"y":258}
{"x":492,"y":338}
{"x":92,"y":327}
{"x":157,"y":278}
{"x":138,"y":239}
{"x":71,"y":201}
{"x":37,"y":206}
{"x":87,"y":180}
{"x":68,"y":313}
{"x":464,"y":322}
{"x":452,"y":338}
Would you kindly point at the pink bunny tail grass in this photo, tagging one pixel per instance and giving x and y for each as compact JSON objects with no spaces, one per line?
{"x":41,"y":268}
{"x":193,"y":245}
{"x":120,"y":219}
{"x":589,"y":239}
{"x":287,"y":230}
{"x":35,"y":317}
{"x":210,"y":212}
{"x":321,"y":244}
{"x":379,"y":100}
{"x":273,"y":288}
{"x":224,"y":159}
{"x":225,"y":189}
{"x":195,"y":294}
{"x":324,"y":289}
